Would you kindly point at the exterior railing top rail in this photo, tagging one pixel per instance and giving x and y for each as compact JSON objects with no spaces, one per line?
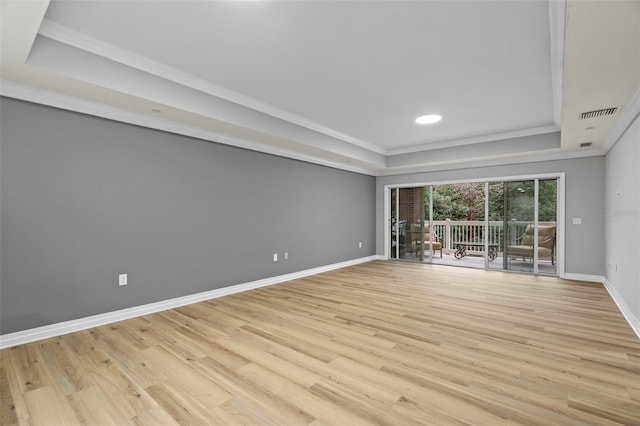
{"x":450,"y":231}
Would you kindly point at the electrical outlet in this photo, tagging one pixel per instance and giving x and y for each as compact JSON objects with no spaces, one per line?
{"x":275,"y":257}
{"x":360,"y":244}
{"x":122,"y":279}
{"x":286,"y":255}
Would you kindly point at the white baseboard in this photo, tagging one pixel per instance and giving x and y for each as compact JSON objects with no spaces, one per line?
{"x":584,"y":277}
{"x":58,"y":329}
{"x":633,"y":321}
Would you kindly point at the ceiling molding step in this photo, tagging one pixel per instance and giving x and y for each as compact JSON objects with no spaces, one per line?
{"x":19,"y":23}
{"x":13,"y":90}
{"x":557,"y":28}
{"x":210,"y":113}
{"x":629,"y":113}
{"x":522,"y":158}
{"x":63,"y":34}
{"x":504,"y":148}
{"x":476,"y":139}
{"x":30,"y":94}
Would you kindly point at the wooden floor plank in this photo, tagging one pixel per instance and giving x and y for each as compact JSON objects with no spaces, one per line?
{"x":30,"y":368}
{"x":377,"y":343}
{"x":14,"y":408}
{"x":180,"y":407}
{"x":69,"y":373}
{"x":7,"y":405}
{"x":127,"y":396}
{"x":48,"y":405}
{"x":93,"y":407}
{"x":154,"y":417}
{"x":257,"y":400}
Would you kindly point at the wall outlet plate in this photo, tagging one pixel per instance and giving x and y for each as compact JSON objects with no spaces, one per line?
{"x":275,"y":257}
{"x":122,"y":279}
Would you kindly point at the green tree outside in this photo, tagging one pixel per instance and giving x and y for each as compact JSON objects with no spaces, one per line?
{"x":465,"y":201}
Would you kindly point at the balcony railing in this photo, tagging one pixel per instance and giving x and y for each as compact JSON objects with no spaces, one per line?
{"x":450,"y":231}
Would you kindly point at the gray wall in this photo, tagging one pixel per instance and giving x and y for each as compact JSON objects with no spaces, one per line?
{"x":584,"y":184}
{"x":622,"y":218}
{"x":84,"y":199}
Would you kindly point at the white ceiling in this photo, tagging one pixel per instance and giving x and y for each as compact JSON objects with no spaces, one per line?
{"x":337,"y":83}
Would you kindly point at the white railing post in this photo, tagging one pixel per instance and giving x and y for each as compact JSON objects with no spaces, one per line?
{"x":447,"y":233}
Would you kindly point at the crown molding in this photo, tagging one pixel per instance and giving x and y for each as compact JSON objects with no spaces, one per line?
{"x":476,"y":139}
{"x":519,"y":158}
{"x":557,"y":29}
{"x":629,"y":113}
{"x":63,"y":34}
{"x":31,"y":94}
{"x":27,"y":93}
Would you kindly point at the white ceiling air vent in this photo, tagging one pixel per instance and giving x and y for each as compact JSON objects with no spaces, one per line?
{"x":598,"y":113}
{"x":586,"y":144}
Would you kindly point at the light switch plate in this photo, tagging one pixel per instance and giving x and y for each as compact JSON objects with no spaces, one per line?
{"x":577,"y":221}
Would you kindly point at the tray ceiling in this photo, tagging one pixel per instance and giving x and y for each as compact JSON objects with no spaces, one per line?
{"x":338,"y":83}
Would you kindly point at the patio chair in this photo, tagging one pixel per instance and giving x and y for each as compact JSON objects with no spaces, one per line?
{"x":523,"y":246}
{"x":421,"y":242}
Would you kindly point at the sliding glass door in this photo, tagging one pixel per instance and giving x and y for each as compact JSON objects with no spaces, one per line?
{"x":422,"y":228}
{"x":458,"y":218}
{"x":524,"y":214}
{"x":547,"y":213}
{"x":407,"y":223}
{"x":506,"y":225}
{"x":512,"y":209}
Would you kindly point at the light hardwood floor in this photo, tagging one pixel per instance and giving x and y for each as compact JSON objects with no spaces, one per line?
{"x":378,"y":343}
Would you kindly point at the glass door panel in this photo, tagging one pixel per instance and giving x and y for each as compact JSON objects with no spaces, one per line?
{"x":519,"y":225}
{"x":406,"y":213}
{"x":547,"y":226}
{"x":459,"y":224}
{"x":496,"y":223}
{"x":425,"y":235}
{"x":393,"y":229}
{"x":408,"y":227}
{"x":512,"y":222}
{"x":411,"y":212}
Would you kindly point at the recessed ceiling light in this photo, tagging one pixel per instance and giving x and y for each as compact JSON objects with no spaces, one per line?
{"x":428,"y":119}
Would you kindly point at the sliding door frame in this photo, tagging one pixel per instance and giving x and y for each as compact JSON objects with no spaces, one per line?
{"x":560,"y":210}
